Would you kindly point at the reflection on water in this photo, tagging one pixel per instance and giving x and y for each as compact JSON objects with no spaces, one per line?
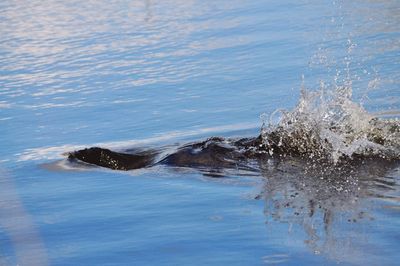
{"x":332,"y":205}
{"x":117,"y":73}
{"x":58,"y":46}
{"x":18,"y":226}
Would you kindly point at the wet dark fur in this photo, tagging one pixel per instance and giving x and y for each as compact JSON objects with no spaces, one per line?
{"x":211,"y":154}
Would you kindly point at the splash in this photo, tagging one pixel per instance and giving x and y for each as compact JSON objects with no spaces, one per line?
{"x":326,"y":124}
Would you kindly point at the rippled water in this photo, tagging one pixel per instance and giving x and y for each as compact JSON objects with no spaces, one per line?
{"x":149,"y":73}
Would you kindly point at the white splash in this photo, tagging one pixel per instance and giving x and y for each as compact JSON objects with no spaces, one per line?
{"x":328,"y":124}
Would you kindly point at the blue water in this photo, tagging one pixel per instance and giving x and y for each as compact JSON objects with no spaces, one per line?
{"x":149,"y":73}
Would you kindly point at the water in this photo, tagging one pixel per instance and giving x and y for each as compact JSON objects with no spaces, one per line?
{"x":150,"y":73}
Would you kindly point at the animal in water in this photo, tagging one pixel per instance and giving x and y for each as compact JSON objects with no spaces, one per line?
{"x":222,"y":153}
{"x":213,"y":153}
{"x":333,"y":131}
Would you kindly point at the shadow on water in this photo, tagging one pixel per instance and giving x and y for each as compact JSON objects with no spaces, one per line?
{"x":331,"y":204}
{"x":19,"y":228}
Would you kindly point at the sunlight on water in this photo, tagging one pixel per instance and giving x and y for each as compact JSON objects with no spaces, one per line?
{"x":142,"y":74}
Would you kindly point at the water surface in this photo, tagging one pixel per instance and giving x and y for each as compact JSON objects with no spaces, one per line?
{"x":149,"y":73}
